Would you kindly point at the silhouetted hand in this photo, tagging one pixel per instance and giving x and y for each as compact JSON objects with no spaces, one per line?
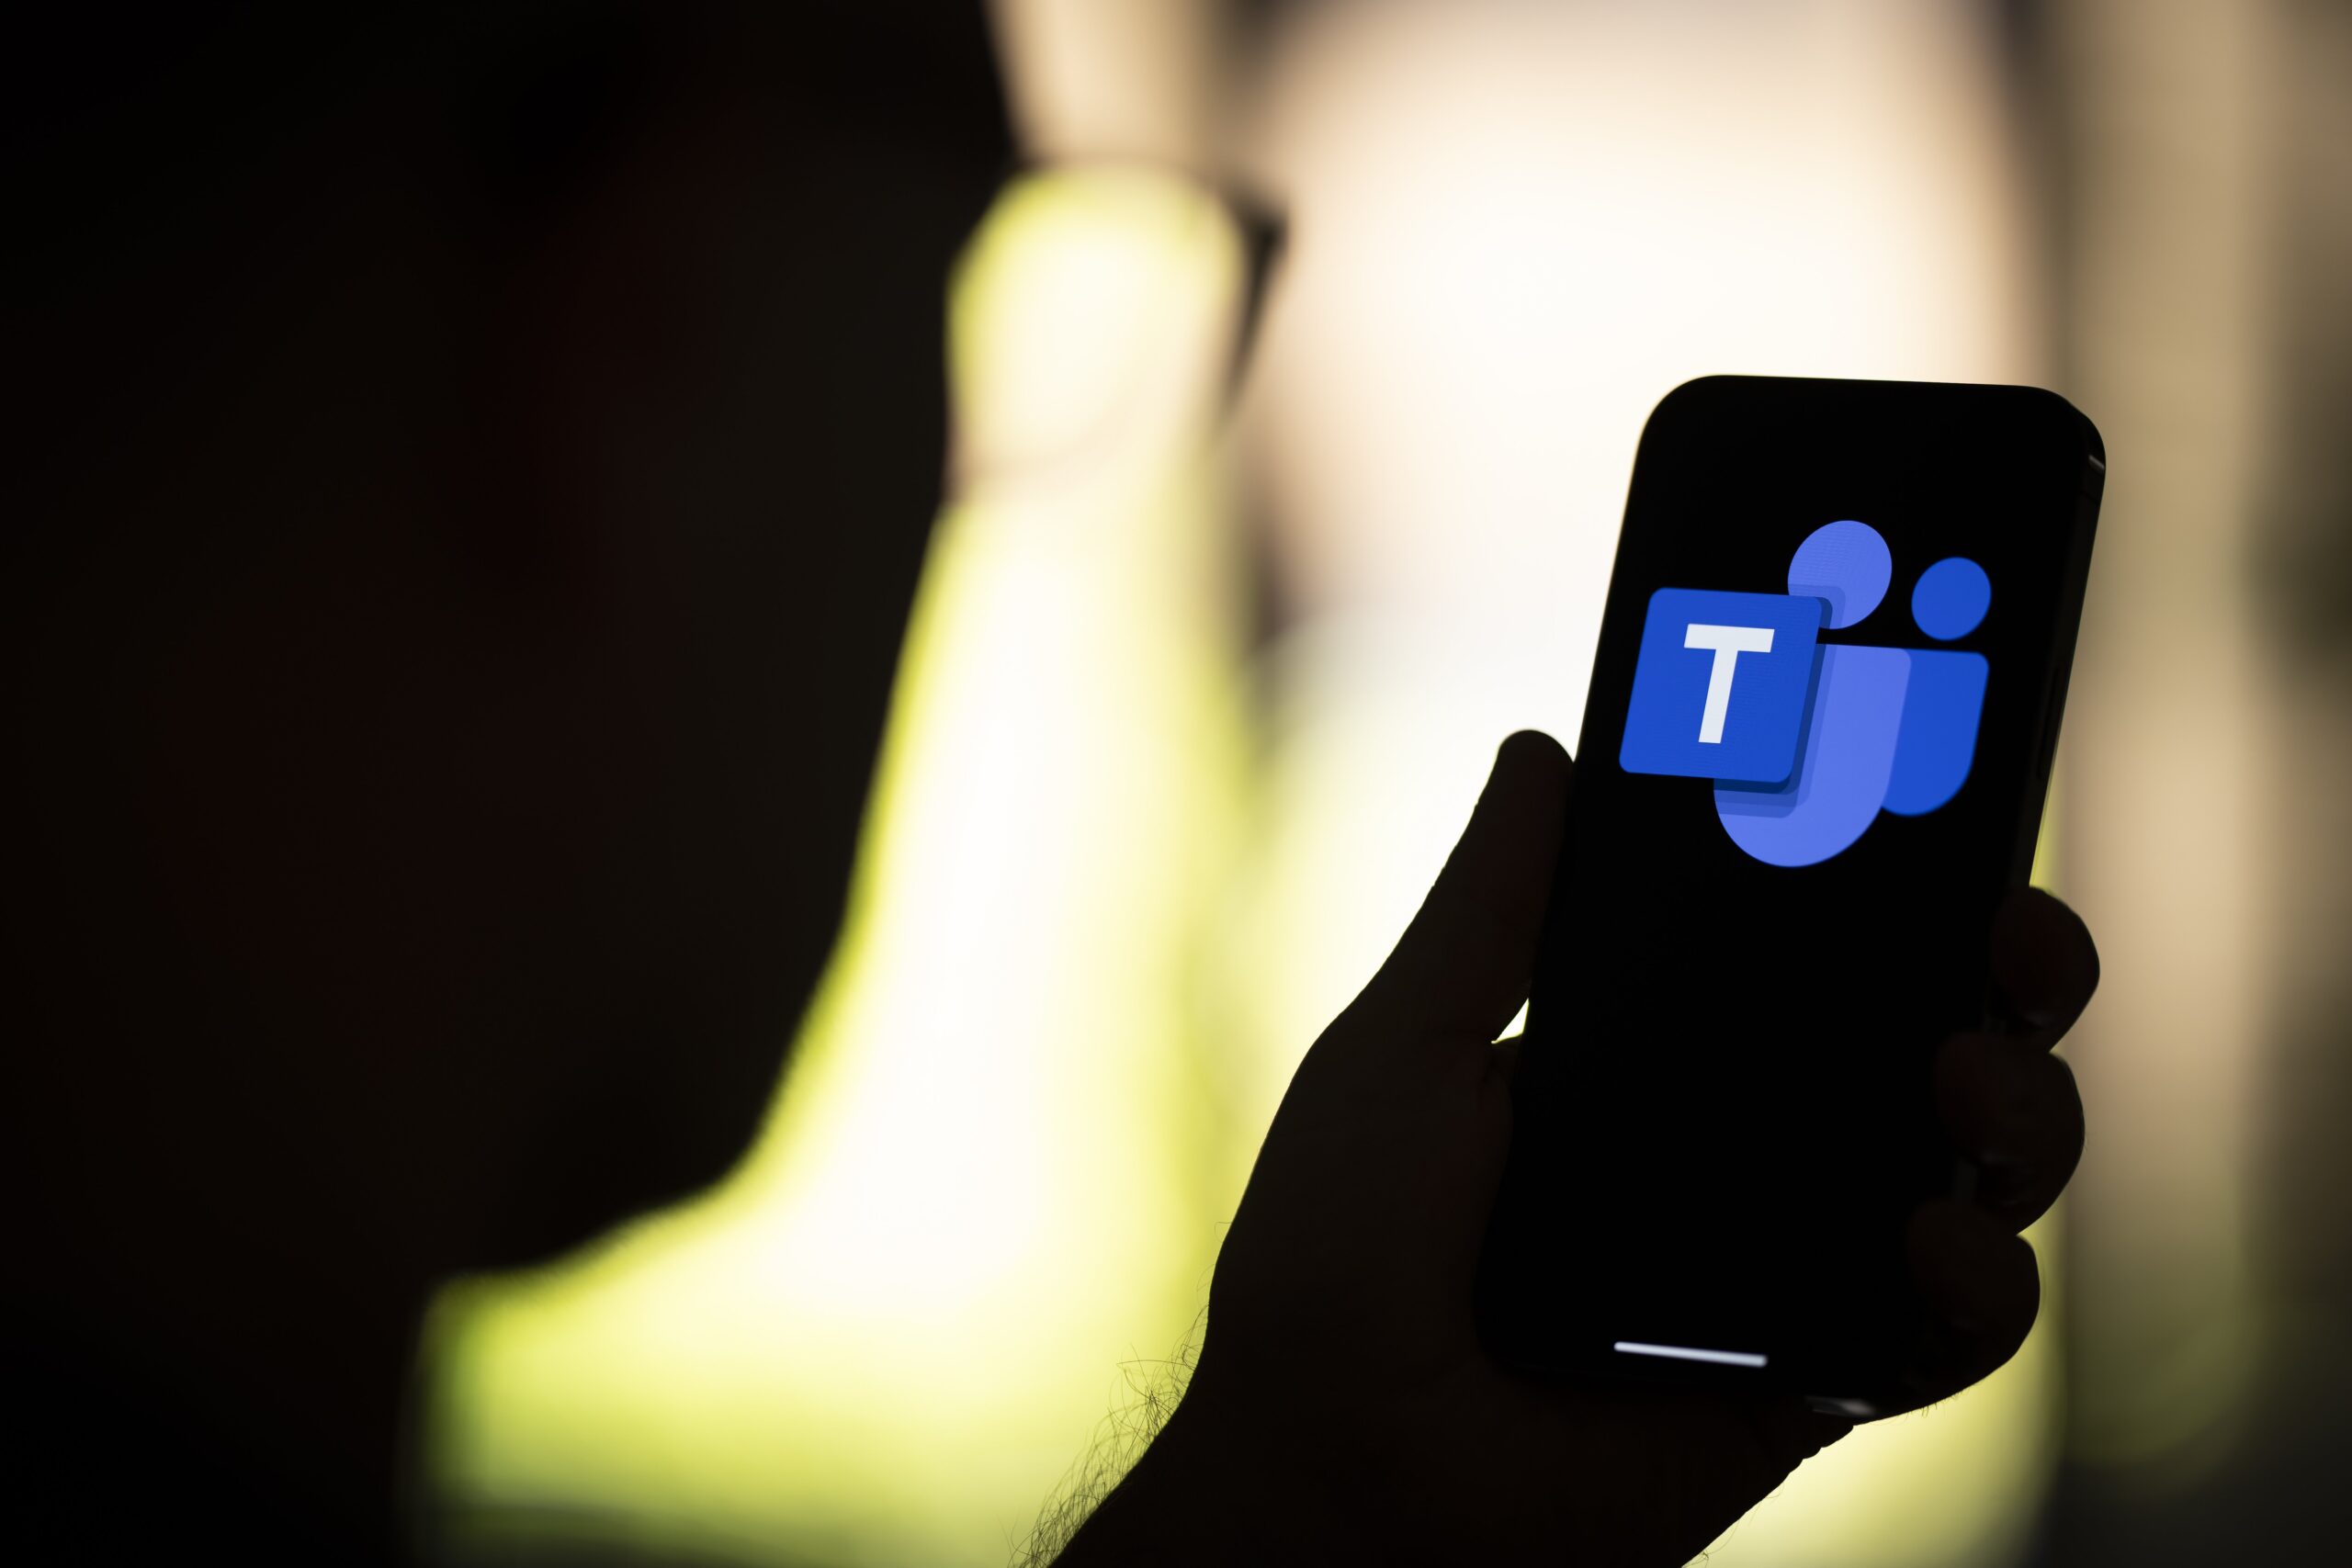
{"x":1343,"y":1408}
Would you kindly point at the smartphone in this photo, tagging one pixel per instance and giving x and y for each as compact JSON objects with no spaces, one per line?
{"x":1819,"y":731}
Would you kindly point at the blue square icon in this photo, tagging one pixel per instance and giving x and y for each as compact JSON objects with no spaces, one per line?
{"x":1720,"y":688}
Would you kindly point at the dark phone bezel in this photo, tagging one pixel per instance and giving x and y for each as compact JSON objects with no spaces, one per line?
{"x":1863,"y":1384}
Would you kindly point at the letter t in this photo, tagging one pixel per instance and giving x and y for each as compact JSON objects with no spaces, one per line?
{"x":1729,"y":643}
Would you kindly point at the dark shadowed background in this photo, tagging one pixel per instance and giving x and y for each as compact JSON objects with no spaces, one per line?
{"x":1283,"y":642}
{"x":1250,"y":554}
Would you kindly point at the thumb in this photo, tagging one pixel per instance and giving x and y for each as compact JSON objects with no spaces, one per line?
{"x":1463,"y":967}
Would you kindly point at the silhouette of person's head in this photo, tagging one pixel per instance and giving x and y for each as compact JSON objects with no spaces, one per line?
{"x":477,"y":469}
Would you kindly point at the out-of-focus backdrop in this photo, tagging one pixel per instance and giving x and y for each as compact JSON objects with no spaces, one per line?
{"x":1211,"y":656}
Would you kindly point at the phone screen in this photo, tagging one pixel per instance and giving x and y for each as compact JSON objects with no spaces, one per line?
{"x":1813,"y":756}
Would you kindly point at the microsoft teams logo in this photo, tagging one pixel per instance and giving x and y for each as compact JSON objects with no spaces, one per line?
{"x":1806,"y":741}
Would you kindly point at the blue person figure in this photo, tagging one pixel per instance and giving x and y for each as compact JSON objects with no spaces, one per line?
{"x":1883,"y":727}
{"x":1946,"y":694}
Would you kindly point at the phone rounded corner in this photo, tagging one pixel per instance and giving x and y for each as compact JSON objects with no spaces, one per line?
{"x":1696,"y":390}
{"x":2071,"y":424}
{"x":2093,"y":443}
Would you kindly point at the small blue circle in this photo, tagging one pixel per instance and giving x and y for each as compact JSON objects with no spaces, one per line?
{"x":1952,"y":598}
{"x":1845,"y":563}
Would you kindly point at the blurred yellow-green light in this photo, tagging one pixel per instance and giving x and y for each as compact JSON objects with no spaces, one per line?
{"x":985,"y":1185}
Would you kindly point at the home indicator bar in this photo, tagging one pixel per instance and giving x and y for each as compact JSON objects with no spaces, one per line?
{"x":1689,"y":1353}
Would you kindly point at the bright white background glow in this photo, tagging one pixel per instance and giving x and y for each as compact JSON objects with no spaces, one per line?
{"x":1515,"y":227}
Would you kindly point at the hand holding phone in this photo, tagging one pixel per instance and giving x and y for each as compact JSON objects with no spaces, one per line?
{"x":1816,"y":746}
{"x":1786,"y":1096}
{"x":1344,"y":1409}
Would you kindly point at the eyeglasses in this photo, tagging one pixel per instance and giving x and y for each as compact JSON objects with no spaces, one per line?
{"x":1097,"y":301}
